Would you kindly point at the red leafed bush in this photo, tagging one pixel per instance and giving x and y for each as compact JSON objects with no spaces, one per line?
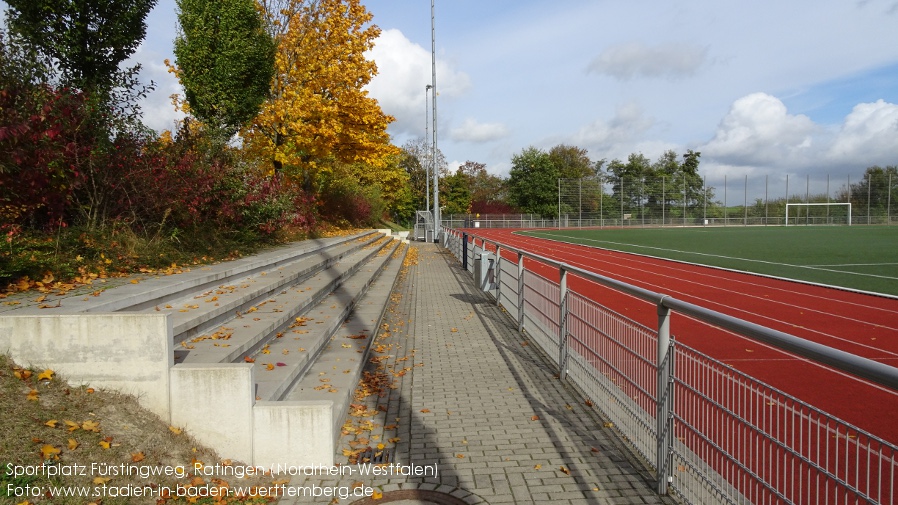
{"x":46,"y":138}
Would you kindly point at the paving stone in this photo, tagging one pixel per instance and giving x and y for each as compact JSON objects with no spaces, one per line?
{"x":462,"y":394}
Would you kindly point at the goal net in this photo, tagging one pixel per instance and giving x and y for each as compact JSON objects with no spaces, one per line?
{"x":818,"y":213}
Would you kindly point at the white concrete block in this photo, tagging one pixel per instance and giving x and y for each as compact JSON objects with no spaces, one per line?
{"x":214,"y":401}
{"x":131,"y":353}
{"x":294,"y":433}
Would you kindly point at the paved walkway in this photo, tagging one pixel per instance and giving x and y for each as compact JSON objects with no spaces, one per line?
{"x":452,"y":386}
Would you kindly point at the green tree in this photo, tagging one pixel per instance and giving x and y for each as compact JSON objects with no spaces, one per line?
{"x":225,"y":60}
{"x":533,"y":182}
{"x":455,"y":194}
{"x":877,"y":190}
{"x":87,"y":40}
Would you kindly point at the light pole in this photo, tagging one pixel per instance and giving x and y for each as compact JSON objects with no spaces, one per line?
{"x":428,"y":161}
{"x":436,"y":176}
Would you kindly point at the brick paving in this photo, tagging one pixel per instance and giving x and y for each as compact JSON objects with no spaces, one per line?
{"x":459,"y":390}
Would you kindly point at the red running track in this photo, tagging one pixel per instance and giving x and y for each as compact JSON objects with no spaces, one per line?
{"x":864,"y":325}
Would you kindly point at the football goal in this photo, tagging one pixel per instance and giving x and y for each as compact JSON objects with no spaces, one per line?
{"x":840,"y":215}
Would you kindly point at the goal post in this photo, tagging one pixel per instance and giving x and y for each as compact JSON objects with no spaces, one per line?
{"x":830,"y":204}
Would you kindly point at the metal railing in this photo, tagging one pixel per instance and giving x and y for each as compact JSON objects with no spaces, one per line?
{"x":712,"y":434}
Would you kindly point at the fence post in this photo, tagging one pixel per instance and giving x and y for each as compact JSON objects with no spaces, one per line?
{"x":664,"y":399}
{"x":498,"y":274}
{"x":562,"y":323}
{"x":520,"y":292}
{"x":464,"y":252}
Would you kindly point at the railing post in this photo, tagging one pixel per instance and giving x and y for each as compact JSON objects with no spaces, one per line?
{"x":464,"y":252}
{"x":498,"y":274}
{"x":520,"y":292}
{"x":664,"y":397}
{"x":562,"y":323}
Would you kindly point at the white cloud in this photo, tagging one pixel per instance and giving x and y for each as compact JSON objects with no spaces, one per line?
{"x":472,"y":131}
{"x":869,"y":132}
{"x":632,"y":60}
{"x":613,"y":137}
{"x":158,"y":111}
{"x":759,"y":130}
{"x":404,"y":69}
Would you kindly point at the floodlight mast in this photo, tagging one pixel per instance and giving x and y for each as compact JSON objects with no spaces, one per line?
{"x":436,"y":176}
{"x":429,"y":161}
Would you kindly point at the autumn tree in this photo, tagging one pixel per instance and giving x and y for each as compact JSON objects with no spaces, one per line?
{"x":572,"y":162}
{"x":488,"y":191}
{"x":225,"y":61}
{"x":414,"y":158}
{"x":87,"y":40}
{"x":317,"y":108}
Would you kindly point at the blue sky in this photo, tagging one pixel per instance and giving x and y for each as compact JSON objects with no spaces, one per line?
{"x":763,"y":89}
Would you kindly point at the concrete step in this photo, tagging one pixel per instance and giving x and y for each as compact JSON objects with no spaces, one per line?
{"x":199,"y":313}
{"x":244,"y":332}
{"x":284,"y":360}
{"x":335,"y":373}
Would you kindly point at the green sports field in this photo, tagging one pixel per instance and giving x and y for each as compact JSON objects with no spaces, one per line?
{"x":857,"y":257}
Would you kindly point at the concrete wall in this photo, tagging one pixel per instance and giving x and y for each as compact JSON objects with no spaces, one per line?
{"x":131,"y":353}
{"x":294,"y":433}
{"x":215,"y":403}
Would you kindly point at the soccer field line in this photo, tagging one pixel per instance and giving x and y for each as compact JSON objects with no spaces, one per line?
{"x":853,"y":265}
{"x":736,"y":258}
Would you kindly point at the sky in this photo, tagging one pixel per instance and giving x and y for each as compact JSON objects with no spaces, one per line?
{"x":762,"y":89}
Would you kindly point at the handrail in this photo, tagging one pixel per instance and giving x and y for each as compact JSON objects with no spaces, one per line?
{"x":859,"y":366}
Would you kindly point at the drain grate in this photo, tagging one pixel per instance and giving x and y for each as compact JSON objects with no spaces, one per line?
{"x":377,"y":456}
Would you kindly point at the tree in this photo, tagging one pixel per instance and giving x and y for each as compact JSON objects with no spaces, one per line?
{"x":317,"y":107}
{"x":533,"y":182}
{"x":877,"y":190}
{"x":414,"y":158}
{"x":88,"y":40}
{"x":225,"y":61}
{"x":572,"y":162}
{"x":487,"y":190}
{"x":455,"y":195}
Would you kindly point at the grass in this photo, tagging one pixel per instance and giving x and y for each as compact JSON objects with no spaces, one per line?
{"x":47,"y":421}
{"x":856,"y":257}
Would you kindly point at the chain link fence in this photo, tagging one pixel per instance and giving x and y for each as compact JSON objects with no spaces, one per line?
{"x":691,"y":201}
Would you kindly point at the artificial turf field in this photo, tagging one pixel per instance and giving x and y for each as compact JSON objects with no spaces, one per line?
{"x":856,"y":257}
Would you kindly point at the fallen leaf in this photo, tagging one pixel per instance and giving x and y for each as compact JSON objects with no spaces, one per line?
{"x":49,"y":452}
{"x":537,"y":467}
{"x":176,"y":431}
{"x":72,"y":426}
{"x":269,"y":366}
{"x":425,"y":411}
{"x":564,"y":470}
{"x":73,"y":444}
{"x":105,"y":444}
{"x":91,"y":426}
{"x":137,"y":457}
{"x":248,"y":359}
{"x":32,"y":395}
{"x":46,"y":375}
{"x":101,"y":480}
{"x":21,"y":373}
{"x":51,"y":423}
{"x":534,"y":418}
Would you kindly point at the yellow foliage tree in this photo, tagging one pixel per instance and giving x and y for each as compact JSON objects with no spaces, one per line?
{"x":318,"y":111}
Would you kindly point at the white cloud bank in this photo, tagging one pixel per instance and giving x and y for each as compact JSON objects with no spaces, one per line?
{"x":759,"y":135}
{"x":404,"y":69}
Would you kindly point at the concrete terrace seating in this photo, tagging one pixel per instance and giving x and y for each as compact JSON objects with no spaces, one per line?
{"x":258,"y":358}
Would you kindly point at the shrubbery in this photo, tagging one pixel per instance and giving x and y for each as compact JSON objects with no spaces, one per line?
{"x":80,"y":179}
